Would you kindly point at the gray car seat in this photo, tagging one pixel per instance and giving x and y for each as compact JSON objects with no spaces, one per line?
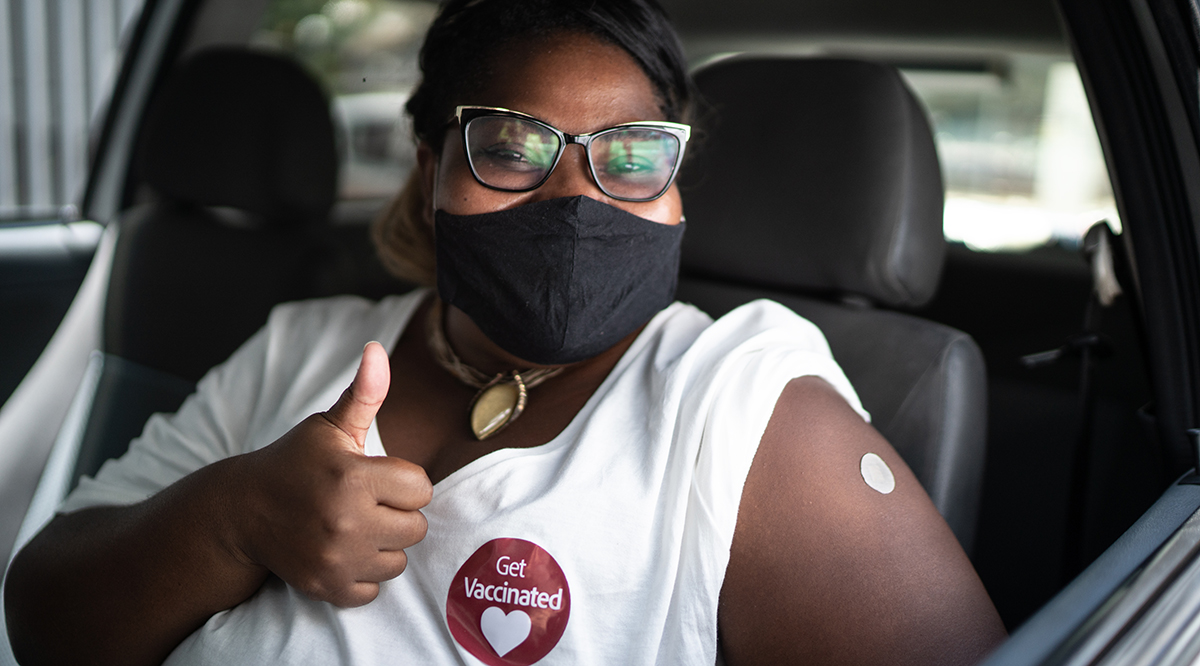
{"x":818,"y":185}
{"x":238,"y":152}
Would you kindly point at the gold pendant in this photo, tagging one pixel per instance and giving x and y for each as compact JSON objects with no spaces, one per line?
{"x":497,"y":405}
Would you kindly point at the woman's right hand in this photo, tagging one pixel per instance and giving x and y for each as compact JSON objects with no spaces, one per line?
{"x":329,"y":520}
{"x":126,"y":584}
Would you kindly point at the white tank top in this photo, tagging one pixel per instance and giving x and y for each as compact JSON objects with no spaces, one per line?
{"x":607,"y":545}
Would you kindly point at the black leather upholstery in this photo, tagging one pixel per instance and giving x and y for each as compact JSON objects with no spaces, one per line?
{"x":774,"y":153}
{"x":818,"y":181}
{"x":186,"y":290}
{"x":238,"y":150}
{"x":242,"y":129}
{"x":922,"y":382}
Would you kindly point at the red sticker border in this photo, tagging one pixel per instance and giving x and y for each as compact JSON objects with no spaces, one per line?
{"x":509,"y":603}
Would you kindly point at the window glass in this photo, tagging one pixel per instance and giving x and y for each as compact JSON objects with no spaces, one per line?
{"x":1020,"y":156}
{"x":364,"y":52}
{"x":60,"y":58}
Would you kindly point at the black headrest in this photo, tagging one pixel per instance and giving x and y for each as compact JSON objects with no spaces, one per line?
{"x":242,"y":129}
{"x":816,"y":175}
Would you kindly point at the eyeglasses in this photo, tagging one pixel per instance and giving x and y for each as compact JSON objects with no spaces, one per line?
{"x":514,"y":152}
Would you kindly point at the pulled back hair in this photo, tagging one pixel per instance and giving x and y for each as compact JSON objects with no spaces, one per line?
{"x":456,"y":61}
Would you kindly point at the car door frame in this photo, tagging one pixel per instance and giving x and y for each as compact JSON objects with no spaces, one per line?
{"x":32,"y":416}
{"x":1138,"y":60}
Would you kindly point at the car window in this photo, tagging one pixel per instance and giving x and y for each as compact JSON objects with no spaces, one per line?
{"x":1020,"y":156}
{"x":61,"y":59}
{"x":364,"y":52}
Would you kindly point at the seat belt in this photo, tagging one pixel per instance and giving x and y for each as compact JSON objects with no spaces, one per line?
{"x":1089,"y":345}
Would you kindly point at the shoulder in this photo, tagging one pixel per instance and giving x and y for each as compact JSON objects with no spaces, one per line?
{"x":723,"y":389}
{"x":310,"y":348}
{"x":870,"y":570}
{"x":764,"y":344}
{"x":316,"y":319}
{"x":759,"y":326}
{"x":684,"y":328}
{"x":302,"y":335}
{"x":766,"y":316}
{"x":303,"y":338}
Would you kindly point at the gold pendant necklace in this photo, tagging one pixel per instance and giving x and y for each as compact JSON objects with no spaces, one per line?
{"x":501,"y":397}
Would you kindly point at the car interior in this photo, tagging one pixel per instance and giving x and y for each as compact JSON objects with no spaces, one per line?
{"x":830,"y":155}
{"x":243,"y":177}
{"x":834,"y":224}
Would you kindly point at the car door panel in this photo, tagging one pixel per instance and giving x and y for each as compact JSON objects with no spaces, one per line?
{"x":1055,"y":632}
{"x":41,"y":267}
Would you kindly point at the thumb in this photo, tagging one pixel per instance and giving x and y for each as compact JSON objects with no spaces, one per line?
{"x":355,"y":409}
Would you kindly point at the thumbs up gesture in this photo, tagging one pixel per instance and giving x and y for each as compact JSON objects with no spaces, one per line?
{"x":327,"y":519}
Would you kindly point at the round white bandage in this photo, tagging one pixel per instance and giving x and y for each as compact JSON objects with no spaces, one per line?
{"x":877,"y":474}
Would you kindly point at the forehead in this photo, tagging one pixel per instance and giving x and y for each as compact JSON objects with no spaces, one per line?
{"x":576,"y":82}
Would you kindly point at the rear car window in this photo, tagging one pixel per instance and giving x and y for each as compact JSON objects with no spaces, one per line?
{"x":364,"y":52}
{"x":1020,"y":155}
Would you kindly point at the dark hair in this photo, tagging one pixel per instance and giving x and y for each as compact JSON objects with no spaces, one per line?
{"x":460,"y":45}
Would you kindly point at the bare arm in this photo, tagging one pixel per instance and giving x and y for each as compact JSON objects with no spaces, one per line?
{"x":127,"y":584}
{"x":826,"y":570}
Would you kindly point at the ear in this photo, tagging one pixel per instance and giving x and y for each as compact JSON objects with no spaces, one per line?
{"x":427,"y":164}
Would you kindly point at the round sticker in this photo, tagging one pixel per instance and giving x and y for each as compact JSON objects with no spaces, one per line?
{"x":877,"y":474}
{"x":509,"y":602}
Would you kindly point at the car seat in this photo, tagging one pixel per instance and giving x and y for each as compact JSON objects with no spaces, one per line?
{"x":238,"y":153}
{"x":817,"y":184}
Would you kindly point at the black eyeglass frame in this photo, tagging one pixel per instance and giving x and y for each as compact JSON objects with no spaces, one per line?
{"x":465,"y":114}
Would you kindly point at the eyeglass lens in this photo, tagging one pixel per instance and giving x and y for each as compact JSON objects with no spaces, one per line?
{"x":515,"y":154}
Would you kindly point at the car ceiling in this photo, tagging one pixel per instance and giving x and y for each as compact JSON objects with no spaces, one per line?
{"x":1032,"y":21}
{"x":1029,"y":21}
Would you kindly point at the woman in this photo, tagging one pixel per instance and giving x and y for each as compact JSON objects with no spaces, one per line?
{"x":615,"y":478}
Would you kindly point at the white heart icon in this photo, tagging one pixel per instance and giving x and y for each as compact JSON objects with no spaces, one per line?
{"x":504,"y":632}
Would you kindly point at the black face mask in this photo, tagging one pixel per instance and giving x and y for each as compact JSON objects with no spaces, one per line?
{"x":557,"y":281}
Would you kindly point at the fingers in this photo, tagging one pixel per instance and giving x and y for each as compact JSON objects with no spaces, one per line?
{"x":385,"y":565}
{"x":341,"y":522}
{"x":398,"y":483}
{"x":355,"y":409}
{"x":388,"y":565}
{"x":357,"y":594}
{"x":397,"y":530}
